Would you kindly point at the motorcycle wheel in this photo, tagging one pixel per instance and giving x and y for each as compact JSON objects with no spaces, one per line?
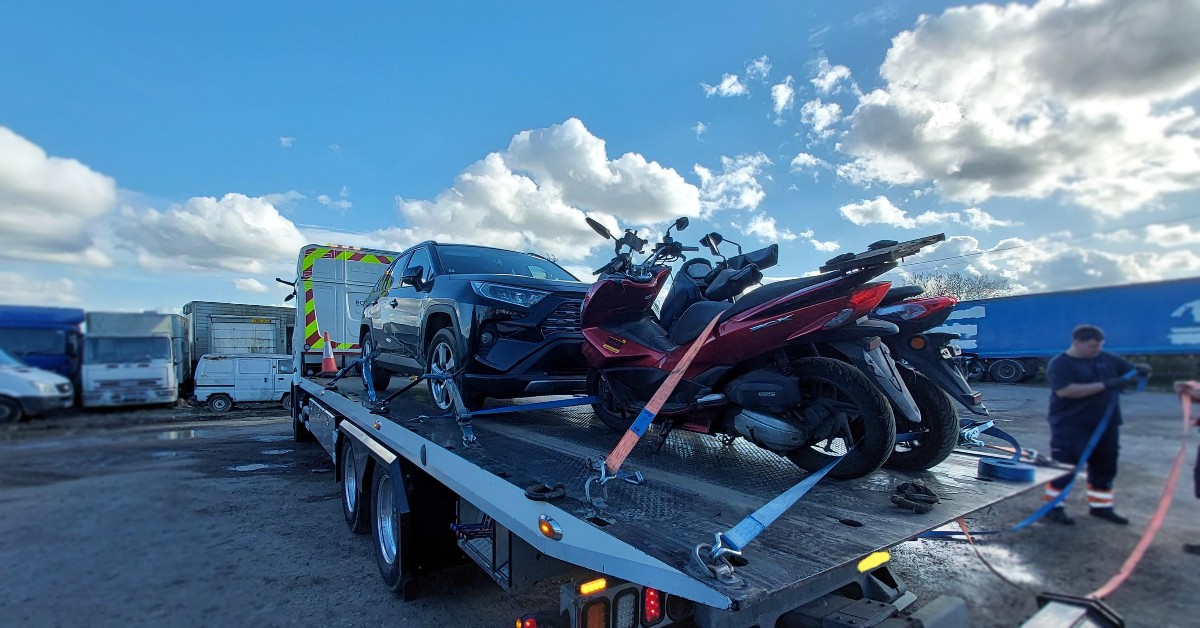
{"x":842,"y":389}
{"x":607,"y":409}
{"x":938,"y":427}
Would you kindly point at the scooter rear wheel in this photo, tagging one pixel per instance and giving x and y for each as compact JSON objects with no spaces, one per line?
{"x":841,"y":390}
{"x":607,"y":409}
{"x":938,"y":428}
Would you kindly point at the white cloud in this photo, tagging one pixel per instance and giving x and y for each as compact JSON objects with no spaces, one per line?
{"x":23,"y":289}
{"x":235,"y":232}
{"x":283,"y":199}
{"x":342,"y":203}
{"x":829,"y":78}
{"x":700,"y":128}
{"x":825,"y":246}
{"x":783,"y":97}
{"x":534,"y":196}
{"x":881,"y":210}
{"x":758,"y":69}
{"x":50,"y":206}
{"x":1081,"y":100}
{"x":805,"y":161}
{"x":980,"y":220}
{"x":1171,"y":235}
{"x":287,"y":141}
{"x":820,"y":116}
{"x":730,"y":85}
{"x":335,"y":149}
{"x":735,"y":187}
{"x":764,"y":227}
{"x":249,"y":284}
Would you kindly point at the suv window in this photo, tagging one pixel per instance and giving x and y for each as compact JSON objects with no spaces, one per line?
{"x":469,"y":260}
{"x":385,"y":281}
{"x":420,"y":257}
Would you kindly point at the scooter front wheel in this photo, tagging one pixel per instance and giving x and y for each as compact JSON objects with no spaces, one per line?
{"x":607,"y":408}
{"x":843,"y":394}
{"x":937,"y":433}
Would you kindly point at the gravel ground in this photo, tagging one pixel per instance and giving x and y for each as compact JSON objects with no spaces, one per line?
{"x":181,"y":517}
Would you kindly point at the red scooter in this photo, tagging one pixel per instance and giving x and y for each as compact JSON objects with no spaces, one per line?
{"x":751,"y":376}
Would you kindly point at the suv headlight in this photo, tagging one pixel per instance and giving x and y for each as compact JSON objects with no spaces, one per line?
{"x":523,"y":297}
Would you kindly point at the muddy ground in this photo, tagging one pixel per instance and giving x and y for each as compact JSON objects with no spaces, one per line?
{"x":177,"y":516}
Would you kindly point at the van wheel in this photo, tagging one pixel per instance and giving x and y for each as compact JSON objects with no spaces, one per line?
{"x":286,"y":401}
{"x":387,"y":526}
{"x":10,"y":411}
{"x":356,"y":513}
{"x":1006,"y":371}
{"x":220,"y":403}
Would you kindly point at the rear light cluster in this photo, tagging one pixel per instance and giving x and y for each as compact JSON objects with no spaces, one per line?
{"x":914,"y":310}
{"x":624,"y":606}
{"x":859,"y":303}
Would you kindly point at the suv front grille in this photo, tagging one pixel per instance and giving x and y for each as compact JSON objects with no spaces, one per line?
{"x":564,"y":319}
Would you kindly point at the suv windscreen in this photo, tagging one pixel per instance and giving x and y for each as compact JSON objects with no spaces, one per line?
{"x":475,"y":260}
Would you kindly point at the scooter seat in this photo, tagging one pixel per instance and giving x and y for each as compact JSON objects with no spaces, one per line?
{"x":900,"y":293}
{"x":695,"y":319}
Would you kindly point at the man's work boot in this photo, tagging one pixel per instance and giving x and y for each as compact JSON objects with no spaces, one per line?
{"x":1059,"y":515}
{"x":1108,"y":514}
{"x":1191,"y":548}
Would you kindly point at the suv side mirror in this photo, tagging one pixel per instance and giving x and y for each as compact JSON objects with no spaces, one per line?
{"x":411,"y":276}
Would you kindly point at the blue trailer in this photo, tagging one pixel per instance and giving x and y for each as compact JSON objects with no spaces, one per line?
{"x":1012,"y":337}
{"x":48,"y":338}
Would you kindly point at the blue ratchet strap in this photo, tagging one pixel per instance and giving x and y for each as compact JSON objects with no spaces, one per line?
{"x":1083,"y":458}
{"x":740,"y":535}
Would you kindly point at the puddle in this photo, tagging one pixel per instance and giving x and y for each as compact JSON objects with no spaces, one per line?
{"x":179,"y":434}
{"x":276,"y":452}
{"x":255,"y":467}
{"x":270,"y":438}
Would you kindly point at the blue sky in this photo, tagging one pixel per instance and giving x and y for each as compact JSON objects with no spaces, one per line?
{"x":152,"y":155}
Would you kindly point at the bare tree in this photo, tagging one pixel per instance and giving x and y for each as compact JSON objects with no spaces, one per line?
{"x":964,"y":287}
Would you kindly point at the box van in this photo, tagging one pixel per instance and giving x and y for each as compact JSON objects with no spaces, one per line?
{"x":223,"y":379}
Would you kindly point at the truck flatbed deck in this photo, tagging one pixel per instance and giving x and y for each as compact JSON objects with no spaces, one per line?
{"x":695,"y":486}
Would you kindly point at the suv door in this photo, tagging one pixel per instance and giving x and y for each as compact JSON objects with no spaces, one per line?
{"x":413,"y":297}
{"x":372,"y":315}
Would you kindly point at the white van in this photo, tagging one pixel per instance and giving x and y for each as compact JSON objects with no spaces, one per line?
{"x":223,"y":379}
{"x":26,"y":391}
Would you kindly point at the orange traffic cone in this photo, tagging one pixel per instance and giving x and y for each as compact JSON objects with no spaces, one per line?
{"x":328,"y":364}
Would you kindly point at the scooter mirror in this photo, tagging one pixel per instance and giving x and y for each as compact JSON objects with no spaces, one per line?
{"x":711,"y":241}
{"x":599,"y":228}
{"x":681,"y":223}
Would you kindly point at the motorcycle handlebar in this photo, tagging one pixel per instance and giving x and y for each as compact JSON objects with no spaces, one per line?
{"x":691,"y":248}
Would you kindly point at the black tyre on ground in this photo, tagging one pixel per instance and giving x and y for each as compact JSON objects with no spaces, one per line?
{"x":446,"y":352}
{"x":844,"y":394}
{"x":938,"y":428}
{"x":388,"y":530}
{"x":354,"y":508}
{"x":1006,"y":371}
{"x":10,"y":410}
{"x":220,"y":403}
{"x":607,"y":409}
{"x":286,"y":401}
{"x":380,"y":376}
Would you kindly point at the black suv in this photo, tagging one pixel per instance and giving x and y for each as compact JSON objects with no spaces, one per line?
{"x":511,"y":318}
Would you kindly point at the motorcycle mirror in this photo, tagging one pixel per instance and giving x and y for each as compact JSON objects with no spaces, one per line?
{"x":599,"y":228}
{"x":681,"y":223}
{"x":711,"y":241}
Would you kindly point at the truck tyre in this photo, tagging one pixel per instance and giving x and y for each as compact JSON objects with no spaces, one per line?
{"x":607,"y":408}
{"x":353,"y":509}
{"x":388,"y":529}
{"x":446,"y":352}
{"x":300,"y":434}
{"x":10,"y":411}
{"x":1006,"y":371}
{"x":834,"y":388}
{"x":220,"y":403}
{"x":380,"y":376}
{"x":938,"y":427}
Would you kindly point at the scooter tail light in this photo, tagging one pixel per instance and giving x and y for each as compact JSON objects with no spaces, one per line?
{"x":867,"y":297}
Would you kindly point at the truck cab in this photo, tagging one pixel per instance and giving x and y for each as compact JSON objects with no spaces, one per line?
{"x":134,"y":359}
{"x":48,"y":338}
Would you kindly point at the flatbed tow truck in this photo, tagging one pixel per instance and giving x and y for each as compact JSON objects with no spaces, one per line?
{"x":511,"y":492}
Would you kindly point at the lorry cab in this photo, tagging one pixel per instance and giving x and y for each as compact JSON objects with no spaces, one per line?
{"x":225,"y":379}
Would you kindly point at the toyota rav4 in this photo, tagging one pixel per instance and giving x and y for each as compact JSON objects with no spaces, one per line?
{"x":506,"y":323}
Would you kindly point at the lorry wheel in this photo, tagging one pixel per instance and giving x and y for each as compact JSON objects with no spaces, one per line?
{"x":1006,"y":371}
{"x":300,"y":434}
{"x":380,"y":376}
{"x":220,"y":403}
{"x":938,"y":428}
{"x":353,"y":508}
{"x":444,"y":351}
{"x":386,"y":522}
{"x":10,"y":411}
{"x":837,"y":390}
{"x":607,"y":408}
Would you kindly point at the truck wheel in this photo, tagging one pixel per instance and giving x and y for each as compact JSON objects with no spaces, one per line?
{"x":380,"y":376}
{"x":444,"y":351}
{"x":938,"y":428}
{"x":300,"y":434}
{"x":353,"y":509}
{"x":607,"y":408}
{"x":386,"y":522}
{"x":839,"y":391}
{"x":10,"y":411}
{"x":220,"y":403}
{"x":1006,"y":371}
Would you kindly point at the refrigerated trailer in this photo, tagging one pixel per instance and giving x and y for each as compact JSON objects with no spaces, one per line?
{"x":514,"y":502}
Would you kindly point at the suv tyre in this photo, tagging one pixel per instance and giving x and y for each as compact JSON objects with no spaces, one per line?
{"x":445,"y":350}
{"x":380,"y":376}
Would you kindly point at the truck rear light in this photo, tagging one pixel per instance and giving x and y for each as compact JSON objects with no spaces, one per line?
{"x":527,"y":622}
{"x":625,"y":609}
{"x":592,"y":586}
{"x":595,"y":614}
{"x":651,"y":607}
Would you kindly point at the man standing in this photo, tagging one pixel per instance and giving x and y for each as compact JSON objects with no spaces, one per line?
{"x":1084,"y":380}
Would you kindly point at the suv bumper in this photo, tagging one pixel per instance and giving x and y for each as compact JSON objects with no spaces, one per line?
{"x":555,"y":367}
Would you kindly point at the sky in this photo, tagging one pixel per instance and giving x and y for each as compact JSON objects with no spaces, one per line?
{"x":153,"y":154}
